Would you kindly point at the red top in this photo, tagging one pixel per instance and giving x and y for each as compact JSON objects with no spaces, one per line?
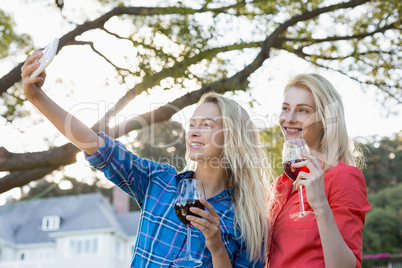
{"x":298,"y":244}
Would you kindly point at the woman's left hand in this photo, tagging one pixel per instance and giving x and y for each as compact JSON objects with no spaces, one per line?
{"x":312,"y":181}
{"x":209,"y":225}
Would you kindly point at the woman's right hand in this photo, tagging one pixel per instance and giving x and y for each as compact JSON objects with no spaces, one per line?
{"x":32,"y":85}
{"x":71,"y":127}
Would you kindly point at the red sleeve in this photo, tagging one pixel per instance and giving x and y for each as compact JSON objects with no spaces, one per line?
{"x":347,"y":197}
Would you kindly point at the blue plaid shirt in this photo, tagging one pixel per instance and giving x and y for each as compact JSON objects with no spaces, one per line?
{"x":161,"y":236}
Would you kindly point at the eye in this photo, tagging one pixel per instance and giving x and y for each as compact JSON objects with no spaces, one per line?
{"x":207,"y":124}
{"x":284,"y":108}
{"x":304,"y":110}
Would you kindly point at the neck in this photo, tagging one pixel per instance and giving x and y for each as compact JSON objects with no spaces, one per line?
{"x":213,"y":179}
{"x":320,"y":156}
{"x":315,"y":148}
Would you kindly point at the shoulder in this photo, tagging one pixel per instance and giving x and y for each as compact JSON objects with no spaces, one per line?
{"x":341,"y":166}
{"x":344,"y":181}
{"x":345,"y":174}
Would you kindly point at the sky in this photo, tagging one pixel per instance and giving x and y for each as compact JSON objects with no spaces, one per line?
{"x":86,"y":96}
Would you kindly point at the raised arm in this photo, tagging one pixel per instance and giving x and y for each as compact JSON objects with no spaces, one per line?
{"x":72,"y":128}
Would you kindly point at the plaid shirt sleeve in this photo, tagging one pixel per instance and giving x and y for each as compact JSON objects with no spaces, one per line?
{"x":125,"y":169}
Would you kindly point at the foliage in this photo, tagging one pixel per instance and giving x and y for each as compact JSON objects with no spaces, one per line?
{"x":12,"y":43}
{"x":384,"y":158}
{"x":161,"y":142}
{"x":11,"y":40}
{"x":383,"y":228}
{"x":382,"y":232}
{"x":197,"y":46}
{"x":272,"y":139}
{"x":384,"y":262}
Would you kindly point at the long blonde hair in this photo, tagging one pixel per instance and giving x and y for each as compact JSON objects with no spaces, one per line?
{"x":335,"y":144}
{"x":248,"y":173}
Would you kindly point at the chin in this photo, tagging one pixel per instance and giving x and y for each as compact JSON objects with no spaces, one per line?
{"x":293,"y":137}
{"x":196,"y":157}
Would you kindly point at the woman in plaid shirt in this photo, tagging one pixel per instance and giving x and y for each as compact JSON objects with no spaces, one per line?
{"x":223,"y":152}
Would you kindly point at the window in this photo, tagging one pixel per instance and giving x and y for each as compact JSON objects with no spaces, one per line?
{"x":51,"y":223}
{"x":83,"y":246}
{"x":44,"y":254}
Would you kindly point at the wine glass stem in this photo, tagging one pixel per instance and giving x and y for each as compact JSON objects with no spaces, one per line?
{"x":188,"y":255}
{"x":303,"y":212}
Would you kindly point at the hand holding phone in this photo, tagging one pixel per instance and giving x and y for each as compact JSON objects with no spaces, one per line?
{"x":48,"y":54}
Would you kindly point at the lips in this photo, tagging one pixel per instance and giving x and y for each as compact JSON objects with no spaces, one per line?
{"x":293,"y":130}
{"x":196,"y":145}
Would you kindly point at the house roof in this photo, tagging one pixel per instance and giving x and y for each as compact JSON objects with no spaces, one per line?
{"x":21,"y":223}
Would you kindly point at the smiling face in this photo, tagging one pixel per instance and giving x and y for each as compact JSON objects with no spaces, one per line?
{"x":298,"y":117}
{"x":205,"y":138}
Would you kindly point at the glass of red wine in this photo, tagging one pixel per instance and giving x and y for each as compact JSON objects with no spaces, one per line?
{"x":291,"y":154}
{"x":189,"y":193}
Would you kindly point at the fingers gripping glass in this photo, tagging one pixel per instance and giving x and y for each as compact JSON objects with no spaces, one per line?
{"x":189,"y":193}
{"x":291,"y":154}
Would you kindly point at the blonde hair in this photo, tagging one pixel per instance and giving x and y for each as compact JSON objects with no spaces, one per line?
{"x":247,"y":173}
{"x":335,"y":144}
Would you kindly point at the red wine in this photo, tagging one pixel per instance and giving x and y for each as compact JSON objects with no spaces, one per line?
{"x":293,"y":172}
{"x":182,"y":208}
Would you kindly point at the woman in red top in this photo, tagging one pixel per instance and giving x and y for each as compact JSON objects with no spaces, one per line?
{"x":334,"y":188}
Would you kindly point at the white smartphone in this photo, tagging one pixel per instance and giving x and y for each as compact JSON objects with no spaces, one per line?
{"x":48,"y":54}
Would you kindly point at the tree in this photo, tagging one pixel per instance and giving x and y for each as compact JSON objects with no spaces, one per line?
{"x":162,"y":142}
{"x":175,"y":44}
{"x":273,"y":140}
{"x":382,"y":231}
{"x":9,"y":38}
{"x":383,"y":162}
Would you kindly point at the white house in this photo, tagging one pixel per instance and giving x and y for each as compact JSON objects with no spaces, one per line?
{"x":69,"y":231}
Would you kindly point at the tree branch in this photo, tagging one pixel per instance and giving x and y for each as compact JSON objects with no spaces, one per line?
{"x":21,"y":178}
{"x":14,"y":75}
{"x":65,"y":155}
{"x":58,"y":156}
{"x":385,"y":88}
{"x":238,"y":81}
{"x":360,"y":36}
{"x":174,"y":71}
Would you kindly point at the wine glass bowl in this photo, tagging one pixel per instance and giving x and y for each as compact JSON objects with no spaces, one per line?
{"x":182,"y":209}
{"x":189,"y":193}
{"x":292,"y":173}
{"x":291,"y":154}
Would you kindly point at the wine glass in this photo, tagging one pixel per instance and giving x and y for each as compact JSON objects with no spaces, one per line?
{"x":291,"y":154}
{"x":189,"y":193}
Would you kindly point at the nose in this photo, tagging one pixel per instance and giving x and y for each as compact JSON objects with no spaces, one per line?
{"x":291,"y":117}
{"x":194,"y":132}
